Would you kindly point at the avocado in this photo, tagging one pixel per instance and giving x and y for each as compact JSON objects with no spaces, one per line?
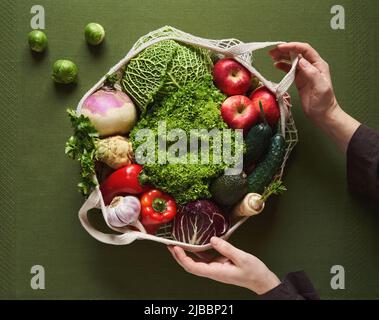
{"x":228,"y":190}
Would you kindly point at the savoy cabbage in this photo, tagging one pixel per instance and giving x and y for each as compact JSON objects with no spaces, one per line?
{"x":162,"y":69}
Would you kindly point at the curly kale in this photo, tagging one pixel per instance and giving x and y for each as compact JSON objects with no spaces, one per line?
{"x":194,"y":106}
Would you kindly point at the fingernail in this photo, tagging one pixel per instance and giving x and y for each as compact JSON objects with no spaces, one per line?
{"x":304,"y":63}
{"x":176,"y":249}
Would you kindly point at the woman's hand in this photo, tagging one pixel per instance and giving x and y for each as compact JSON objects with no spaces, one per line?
{"x":315,"y":88}
{"x":234,"y":267}
{"x":313,"y":79}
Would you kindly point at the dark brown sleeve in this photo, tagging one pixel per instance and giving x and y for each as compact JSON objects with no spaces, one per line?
{"x":295,"y":286}
{"x":363,"y":162}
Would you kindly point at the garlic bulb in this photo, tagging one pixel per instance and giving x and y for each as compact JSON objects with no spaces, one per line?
{"x":123,"y":211}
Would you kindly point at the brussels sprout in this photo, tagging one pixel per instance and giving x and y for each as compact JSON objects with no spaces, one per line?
{"x":94,"y":33}
{"x":37,"y":40}
{"x":64,"y":71}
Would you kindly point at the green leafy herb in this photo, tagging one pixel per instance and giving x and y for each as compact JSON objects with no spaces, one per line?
{"x":82,"y":147}
{"x":276,"y":188}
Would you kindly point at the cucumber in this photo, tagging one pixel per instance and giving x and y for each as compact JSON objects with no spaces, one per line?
{"x":257,"y":142}
{"x":261,"y":177}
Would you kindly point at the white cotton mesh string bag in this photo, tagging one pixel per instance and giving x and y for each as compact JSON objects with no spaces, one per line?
{"x":242,"y":52}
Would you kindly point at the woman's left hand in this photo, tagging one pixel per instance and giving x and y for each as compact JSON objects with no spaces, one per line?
{"x":234,"y":267}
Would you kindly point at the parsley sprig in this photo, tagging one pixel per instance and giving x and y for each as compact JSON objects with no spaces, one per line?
{"x":81,"y":146}
{"x":276,"y":188}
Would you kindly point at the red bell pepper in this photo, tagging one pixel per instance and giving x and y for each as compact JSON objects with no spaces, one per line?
{"x":157,"y":208}
{"x":122,"y":181}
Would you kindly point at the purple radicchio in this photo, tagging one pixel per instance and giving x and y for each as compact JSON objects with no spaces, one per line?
{"x":198,"y":221}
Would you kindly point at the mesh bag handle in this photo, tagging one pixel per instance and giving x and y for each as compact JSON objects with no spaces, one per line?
{"x":237,"y":51}
{"x":95,"y":201}
{"x":127,"y":236}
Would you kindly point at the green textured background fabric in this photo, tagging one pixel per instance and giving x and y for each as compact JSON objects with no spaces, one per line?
{"x":315,"y":225}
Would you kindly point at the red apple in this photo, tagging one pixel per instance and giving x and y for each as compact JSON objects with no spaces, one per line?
{"x":239,"y":113}
{"x":269,"y":103}
{"x":231,"y":77}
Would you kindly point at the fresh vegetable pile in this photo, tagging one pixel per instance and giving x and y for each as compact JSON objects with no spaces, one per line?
{"x":176,"y":87}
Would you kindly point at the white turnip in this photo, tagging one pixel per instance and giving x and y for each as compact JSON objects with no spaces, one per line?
{"x":110,"y":111}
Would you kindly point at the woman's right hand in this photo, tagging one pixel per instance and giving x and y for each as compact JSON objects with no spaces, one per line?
{"x":316,"y":92}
